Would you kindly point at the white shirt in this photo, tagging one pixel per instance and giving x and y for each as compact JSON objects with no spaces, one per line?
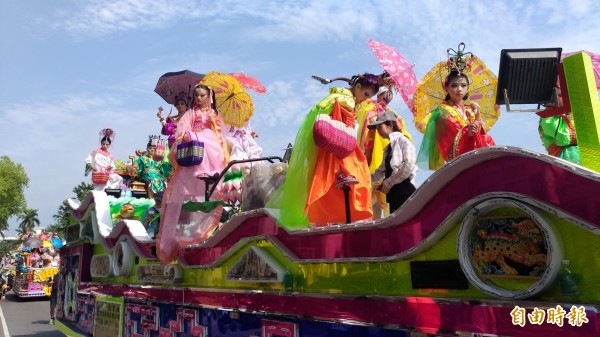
{"x":403,"y":162}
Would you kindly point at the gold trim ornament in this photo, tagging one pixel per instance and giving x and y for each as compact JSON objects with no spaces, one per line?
{"x":459,"y":60}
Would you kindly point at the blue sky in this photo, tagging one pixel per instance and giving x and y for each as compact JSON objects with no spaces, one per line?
{"x":70,"y":68}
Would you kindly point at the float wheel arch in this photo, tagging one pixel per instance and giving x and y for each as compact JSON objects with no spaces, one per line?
{"x":122,"y":259}
{"x":553,"y":242}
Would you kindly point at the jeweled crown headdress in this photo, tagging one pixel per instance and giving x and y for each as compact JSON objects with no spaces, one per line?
{"x":153,"y":140}
{"x":459,"y":60}
{"x":183,"y":96}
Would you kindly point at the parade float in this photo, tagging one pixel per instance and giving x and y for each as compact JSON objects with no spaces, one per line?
{"x":33,"y":283}
{"x":479,"y":248}
{"x":34,"y":270}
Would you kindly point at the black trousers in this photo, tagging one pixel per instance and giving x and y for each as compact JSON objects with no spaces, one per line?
{"x":399,"y":193}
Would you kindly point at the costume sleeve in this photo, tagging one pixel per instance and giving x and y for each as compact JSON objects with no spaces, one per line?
{"x":379,"y":173}
{"x":89,"y":159}
{"x":555,"y":130}
{"x":169,"y":127}
{"x":165,"y":168}
{"x":364,"y":111}
{"x":448,"y":130}
{"x":253,"y":149}
{"x":111,"y":163}
{"x":184,"y":125}
{"x":141,"y":165}
{"x":88,"y":164}
{"x":291,"y":197}
{"x":403,"y":161}
{"x":429,"y":154}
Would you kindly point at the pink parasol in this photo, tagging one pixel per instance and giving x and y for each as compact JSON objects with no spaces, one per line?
{"x":249,"y":82}
{"x":400,"y":70}
{"x":595,"y":64}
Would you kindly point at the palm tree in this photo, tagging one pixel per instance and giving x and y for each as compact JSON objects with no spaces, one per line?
{"x":29,"y":219}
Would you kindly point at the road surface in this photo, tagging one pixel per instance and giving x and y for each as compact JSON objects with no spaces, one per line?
{"x":26,"y":318}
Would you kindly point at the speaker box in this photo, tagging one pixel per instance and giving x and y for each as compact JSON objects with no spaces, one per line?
{"x":115,"y":192}
{"x":139,"y":194}
{"x":445,"y":274}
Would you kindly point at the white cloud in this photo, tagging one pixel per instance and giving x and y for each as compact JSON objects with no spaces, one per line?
{"x":315,"y":20}
{"x":430,"y":26}
{"x":107,"y":16}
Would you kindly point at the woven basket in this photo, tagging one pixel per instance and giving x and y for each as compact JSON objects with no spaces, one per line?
{"x":99,"y":178}
{"x":334,"y":136}
{"x":190,"y":153}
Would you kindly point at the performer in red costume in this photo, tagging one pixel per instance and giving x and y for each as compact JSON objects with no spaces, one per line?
{"x":453,"y":128}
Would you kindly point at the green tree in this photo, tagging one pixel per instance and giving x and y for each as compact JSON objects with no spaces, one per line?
{"x":13,"y":181}
{"x":8,"y":246}
{"x":62,"y":217}
{"x":82,"y":189}
{"x":29,"y":219}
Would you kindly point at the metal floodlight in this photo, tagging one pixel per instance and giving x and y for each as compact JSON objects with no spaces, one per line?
{"x":527,"y":76}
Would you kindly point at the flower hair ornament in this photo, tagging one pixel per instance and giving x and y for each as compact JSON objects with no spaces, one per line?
{"x":459,"y":60}
{"x":108,"y":133}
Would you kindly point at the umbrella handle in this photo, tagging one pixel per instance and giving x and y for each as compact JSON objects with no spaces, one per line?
{"x":324,"y":80}
{"x":225,"y":100}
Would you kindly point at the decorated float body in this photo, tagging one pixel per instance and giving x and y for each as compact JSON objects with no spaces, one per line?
{"x":477,"y":249}
{"x":34,"y":282}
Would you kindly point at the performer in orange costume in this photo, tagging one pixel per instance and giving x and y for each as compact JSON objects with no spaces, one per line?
{"x":309,"y":194}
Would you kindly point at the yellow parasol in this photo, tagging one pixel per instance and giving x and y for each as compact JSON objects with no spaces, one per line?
{"x":233,"y":102}
{"x":482,"y":90}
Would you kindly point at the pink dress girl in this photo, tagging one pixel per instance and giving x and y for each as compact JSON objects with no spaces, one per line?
{"x":178,"y":228}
